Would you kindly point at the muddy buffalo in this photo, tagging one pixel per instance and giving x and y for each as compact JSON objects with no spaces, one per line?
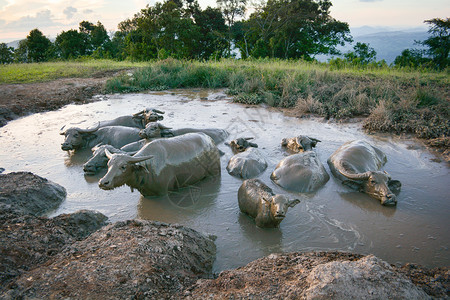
{"x":247,"y":164}
{"x":99,"y":159}
{"x":157,"y":130}
{"x":357,"y":164}
{"x":164,"y":165}
{"x":117,"y":136}
{"x":241,"y":144}
{"x":302,"y":172}
{"x":258,"y":201}
{"x":299,"y":143}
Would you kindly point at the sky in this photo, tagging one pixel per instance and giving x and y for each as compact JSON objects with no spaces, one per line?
{"x":51,"y":17}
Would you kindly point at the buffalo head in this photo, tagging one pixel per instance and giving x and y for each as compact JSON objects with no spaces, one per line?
{"x":75,"y":138}
{"x":99,"y":159}
{"x":154,"y":130}
{"x":149,"y":115}
{"x":241,"y":144}
{"x":279,"y":205}
{"x":300,"y":143}
{"x":377,"y":184}
{"x":121,"y":169}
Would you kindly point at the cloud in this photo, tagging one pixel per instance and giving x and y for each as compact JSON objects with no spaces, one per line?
{"x":88,"y":11}
{"x":370,"y":0}
{"x":41,"y":19}
{"x":70,"y":11}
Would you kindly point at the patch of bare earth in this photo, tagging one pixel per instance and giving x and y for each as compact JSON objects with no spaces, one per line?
{"x":18,"y":100}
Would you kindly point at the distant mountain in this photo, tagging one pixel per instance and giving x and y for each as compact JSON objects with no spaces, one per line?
{"x":388,"y":43}
{"x":14,"y":44}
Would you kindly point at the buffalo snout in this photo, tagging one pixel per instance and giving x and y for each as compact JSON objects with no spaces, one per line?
{"x":105,"y":184}
{"x":389,"y":200}
{"x":66,"y":146}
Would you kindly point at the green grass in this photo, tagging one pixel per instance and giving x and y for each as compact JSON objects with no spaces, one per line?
{"x":41,"y":72}
{"x":392,"y":100}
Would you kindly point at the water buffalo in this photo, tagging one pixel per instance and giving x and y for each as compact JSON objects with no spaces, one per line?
{"x":300,"y":143}
{"x":116,"y":136}
{"x":248,"y":164}
{"x":258,"y":201}
{"x":302,"y":172}
{"x":357,"y":164}
{"x":99,"y":159}
{"x":241,"y":144}
{"x":164,"y":165}
{"x":138,"y":120}
{"x":157,"y":130}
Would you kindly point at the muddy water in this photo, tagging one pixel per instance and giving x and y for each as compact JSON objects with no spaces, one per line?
{"x":336,"y":218}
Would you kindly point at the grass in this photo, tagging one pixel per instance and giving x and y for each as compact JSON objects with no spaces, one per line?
{"x":41,"y":72}
{"x":390,"y":100}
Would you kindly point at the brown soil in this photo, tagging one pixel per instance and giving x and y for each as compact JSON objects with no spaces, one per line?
{"x":17,"y":100}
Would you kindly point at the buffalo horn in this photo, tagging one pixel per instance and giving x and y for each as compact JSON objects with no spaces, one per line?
{"x":138,"y":113}
{"x":134,"y":159}
{"x":108,"y":154}
{"x":157,"y":111}
{"x":90,"y":130}
{"x":360,"y":176}
{"x":249,"y":138}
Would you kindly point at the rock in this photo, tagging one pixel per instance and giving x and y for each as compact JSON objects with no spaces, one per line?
{"x":27,"y":241}
{"x":309,"y":275}
{"x":367,"y":278}
{"x":124,"y":260}
{"x":30,"y":193}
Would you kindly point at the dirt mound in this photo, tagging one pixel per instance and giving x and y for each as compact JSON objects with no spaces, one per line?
{"x":30,"y":193}
{"x":318,"y":275}
{"x":139,"y":259}
{"x":27,"y":241}
{"x":21,"y":99}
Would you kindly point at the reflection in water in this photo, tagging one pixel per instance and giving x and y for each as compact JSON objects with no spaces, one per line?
{"x":267,"y":240}
{"x":77,"y":158}
{"x":191,"y":201}
{"x":367,"y":203}
{"x":416,"y":230}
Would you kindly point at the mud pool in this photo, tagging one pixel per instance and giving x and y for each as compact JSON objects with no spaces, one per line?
{"x":334,"y":218}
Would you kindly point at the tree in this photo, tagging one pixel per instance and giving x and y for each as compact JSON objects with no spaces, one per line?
{"x":293,"y":29}
{"x":362,"y":54}
{"x":95,"y":36}
{"x":6,"y":54}
{"x":38,"y":46}
{"x":439,"y":41}
{"x":232,"y":10}
{"x":71,"y":44}
{"x":412,"y":58}
{"x":213,"y":31}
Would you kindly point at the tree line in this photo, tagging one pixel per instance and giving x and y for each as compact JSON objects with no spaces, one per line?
{"x":287,"y":29}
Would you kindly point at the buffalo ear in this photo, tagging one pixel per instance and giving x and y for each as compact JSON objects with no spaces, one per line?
{"x":293,"y":203}
{"x":253,"y":145}
{"x":394,"y":186}
{"x":352,"y":184}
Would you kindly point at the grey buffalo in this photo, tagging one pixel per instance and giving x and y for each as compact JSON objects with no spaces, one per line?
{"x":241,"y":144}
{"x":138,"y":120}
{"x":99,"y":159}
{"x":357,"y":164}
{"x":299,"y":143}
{"x":248,"y":164}
{"x":116,"y":136}
{"x":157,"y":130}
{"x":258,"y":201}
{"x":302,"y":172}
{"x":164,"y":165}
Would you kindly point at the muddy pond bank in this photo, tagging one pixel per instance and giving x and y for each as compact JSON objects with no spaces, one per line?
{"x":71,"y":256}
